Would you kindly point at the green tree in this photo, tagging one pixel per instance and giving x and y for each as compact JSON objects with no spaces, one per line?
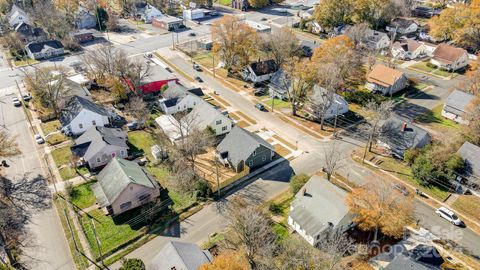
{"x":132,"y":264}
{"x":257,"y":3}
{"x":297,"y":182}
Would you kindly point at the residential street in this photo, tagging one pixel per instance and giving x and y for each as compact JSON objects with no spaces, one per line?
{"x":48,"y":248}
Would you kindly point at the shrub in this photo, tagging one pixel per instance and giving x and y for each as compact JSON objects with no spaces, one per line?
{"x":410,"y":155}
{"x":430,"y":65}
{"x":297,"y":182}
{"x":275,"y":208}
{"x":362,"y":97}
{"x":132,"y":264}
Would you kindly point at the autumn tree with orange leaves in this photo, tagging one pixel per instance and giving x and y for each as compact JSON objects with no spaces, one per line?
{"x":227,"y":260}
{"x":234,"y":42}
{"x":340,"y":52}
{"x":377,"y":206}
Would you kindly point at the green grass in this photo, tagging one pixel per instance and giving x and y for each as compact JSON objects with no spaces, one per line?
{"x":442,"y":73}
{"x":423,"y":67}
{"x":225,"y":2}
{"x":56,"y":138}
{"x":180,"y":201}
{"x":142,"y":141}
{"x":24,"y":62}
{"x":281,"y":230}
{"x":82,"y":195}
{"x":62,"y":156}
{"x":435,"y":117}
{"x":277,"y":104}
{"x":110,"y":234}
{"x":205,"y":59}
{"x":420,"y":86}
{"x":50,"y":126}
{"x":160,"y":172}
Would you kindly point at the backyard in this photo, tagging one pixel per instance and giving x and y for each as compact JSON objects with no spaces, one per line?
{"x":434,"y":120}
{"x":82,"y":195}
{"x":62,"y":157}
{"x":52,"y":127}
{"x":141,"y":142}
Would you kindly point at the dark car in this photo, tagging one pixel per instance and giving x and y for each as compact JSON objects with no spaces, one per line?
{"x":401,"y":188}
{"x":197,"y":67}
{"x":260,"y":107}
{"x":135,"y":125}
{"x":198,"y":79}
{"x":191,"y":34}
{"x":26,"y":97}
{"x":260,"y":92}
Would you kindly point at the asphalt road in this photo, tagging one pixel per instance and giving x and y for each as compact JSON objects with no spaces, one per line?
{"x":47,"y":248}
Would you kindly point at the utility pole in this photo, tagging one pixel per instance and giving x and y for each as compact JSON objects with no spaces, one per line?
{"x":213,"y":64}
{"x":23,"y":106}
{"x":335,"y":124}
{"x":99,"y":244}
{"x":173,"y":41}
{"x":273,"y":103}
{"x":218,"y":178}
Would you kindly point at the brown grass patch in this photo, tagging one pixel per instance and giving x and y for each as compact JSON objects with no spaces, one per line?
{"x":243,"y":124}
{"x":246,"y":117}
{"x":469,"y":205}
{"x":282,"y":140}
{"x":281,"y":151}
{"x":301,"y":127}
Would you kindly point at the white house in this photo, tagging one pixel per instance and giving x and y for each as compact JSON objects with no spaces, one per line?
{"x":402,"y":26}
{"x":259,"y":71}
{"x":171,"y":128}
{"x":258,"y":27}
{"x":456,"y":106}
{"x":408,"y":50}
{"x":84,"y":19}
{"x":449,"y":57}
{"x":81,"y":114}
{"x":204,"y":115}
{"x":375,"y":40}
{"x":17,"y":16}
{"x":195,"y":14}
{"x":148,"y":13}
{"x":386,"y":80}
{"x":44,"y":49}
{"x":177,"y":98}
{"x":318,"y":208}
{"x":337,"y":105}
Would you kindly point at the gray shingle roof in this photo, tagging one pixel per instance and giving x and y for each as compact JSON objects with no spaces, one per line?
{"x":471,"y":155}
{"x":263,"y":67}
{"x":181,"y":255}
{"x":75,"y":105}
{"x":322,"y":204}
{"x":116,"y":176}
{"x":240,"y":144}
{"x":401,"y":23}
{"x":96,"y":138}
{"x":280,"y":82}
{"x":457,"y":102}
{"x":35,"y":47}
{"x":391,"y":133}
{"x":204,"y":114}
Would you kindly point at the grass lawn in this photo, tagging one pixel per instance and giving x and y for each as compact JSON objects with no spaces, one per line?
{"x":225,"y":2}
{"x":56,"y":138}
{"x":160,"y":173}
{"x":50,"y":126}
{"x":420,"y":86}
{"x":442,"y":73}
{"x":142,"y":141}
{"x":468,"y":205}
{"x":110,"y":233}
{"x":423,"y":67}
{"x":24,"y":62}
{"x":434,"y":119}
{"x":277,"y":104}
{"x":205,"y":59}
{"x":82,"y":195}
{"x":62,"y":156}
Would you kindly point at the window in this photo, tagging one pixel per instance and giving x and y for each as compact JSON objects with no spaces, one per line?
{"x":250,"y":163}
{"x":184,"y":106}
{"x":125,"y":206}
{"x":218,"y":122}
{"x":94,"y":123}
{"x":80,"y":126}
{"x":144,"y":197}
{"x":254,"y":153}
{"x":122,"y":153}
{"x":224,"y":128}
{"x":264,"y":158}
{"x":98,"y":160}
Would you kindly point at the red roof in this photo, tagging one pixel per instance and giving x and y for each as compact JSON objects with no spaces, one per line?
{"x":151,"y":86}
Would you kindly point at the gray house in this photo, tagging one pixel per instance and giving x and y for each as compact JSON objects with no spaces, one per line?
{"x":180,"y":256}
{"x":123,"y":185}
{"x":204,"y":115}
{"x":319,"y":207}
{"x":456,"y":106}
{"x":403,"y":257}
{"x":279,"y":85}
{"x":44,"y":49}
{"x":242,"y":148}
{"x":471,"y":156}
{"x":84,"y":19}
{"x":398,"y":136}
{"x":98,"y":145}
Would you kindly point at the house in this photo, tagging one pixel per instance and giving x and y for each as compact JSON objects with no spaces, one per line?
{"x":258,"y":27}
{"x":471,"y":173}
{"x":16,"y":16}
{"x":456,"y":106}
{"x":375,"y":40}
{"x":44,"y":49}
{"x":169,"y":23}
{"x":81,"y":114}
{"x":408,"y":50}
{"x":318,"y":208}
{"x":402,"y":26}
{"x":259,"y":71}
{"x":147,"y":13}
{"x":180,"y":256}
{"x":429,"y":48}
{"x":338,"y":105}
{"x":171,"y":128}
{"x":405,"y":256}
{"x":204,"y":116}
{"x":123,"y":185}
{"x":177,"y":99}
{"x":280,"y":85}
{"x":84,"y":19}
{"x":28,"y":33}
{"x":82,"y":36}
{"x":385,"y":80}
{"x":242,"y":148}
{"x":425,"y":11}
{"x":449,"y":57}
{"x":240,"y":4}
{"x":398,"y":136}
{"x":98,"y":145}
{"x":196,"y":13}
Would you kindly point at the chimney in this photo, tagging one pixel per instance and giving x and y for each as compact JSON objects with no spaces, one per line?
{"x":404,"y":126}
{"x":304,"y":191}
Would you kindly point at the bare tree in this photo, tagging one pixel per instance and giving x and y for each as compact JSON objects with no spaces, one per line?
{"x":251,"y":234}
{"x":335,"y":246}
{"x":333,"y":159}
{"x":301,"y":76}
{"x":12,"y":42}
{"x":8,"y":145}
{"x":296,"y":253}
{"x":377,"y":113}
{"x":281,"y":45}
{"x":357,"y":33}
{"x":138,"y":108}
{"x":53,"y":21}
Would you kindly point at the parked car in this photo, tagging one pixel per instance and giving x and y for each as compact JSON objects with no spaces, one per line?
{"x":197,"y":67}
{"x":260,"y":91}
{"x":401,"y":188}
{"x":26,"y":97}
{"x":134,"y":125}
{"x":260,"y":107}
{"x":148,"y":55}
{"x":16,"y":102}
{"x":449,"y":216}
{"x":192,"y":34}
{"x":198,"y":79}
{"x":39,"y":139}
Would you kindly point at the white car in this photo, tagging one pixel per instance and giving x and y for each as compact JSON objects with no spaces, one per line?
{"x":39,"y":139}
{"x":16,"y":102}
{"x":449,"y":215}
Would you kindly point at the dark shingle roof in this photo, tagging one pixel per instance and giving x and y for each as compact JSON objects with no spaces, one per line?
{"x":240,"y":144}
{"x":422,"y":257}
{"x":96,"y":138}
{"x":75,"y":105}
{"x":391,"y":133}
{"x":471,"y":155}
{"x":401,"y":23}
{"x":457,"y":102}
{"x":181,"y":255}
{"x":264,"y":67}
{"x":280,"y":82}
{"x":36,"y":47}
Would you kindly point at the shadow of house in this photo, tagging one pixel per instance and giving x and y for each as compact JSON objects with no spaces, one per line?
{"x":470,"y":176}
